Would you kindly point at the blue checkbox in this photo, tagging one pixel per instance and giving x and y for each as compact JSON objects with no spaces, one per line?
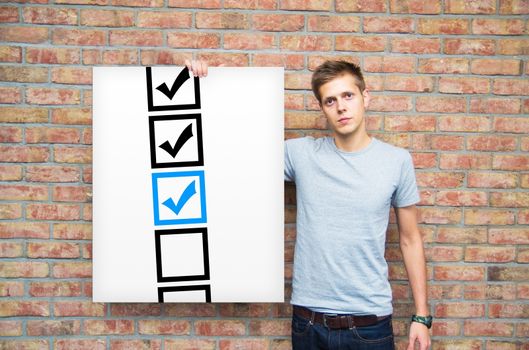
{"x":179,"y":198}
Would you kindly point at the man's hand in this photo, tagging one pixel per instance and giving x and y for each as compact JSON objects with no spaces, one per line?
{"x":197,"y":68}
{"x":419,"y":333}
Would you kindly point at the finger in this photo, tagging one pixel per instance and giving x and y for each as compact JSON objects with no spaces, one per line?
{"x":195,"y":68}
{"x":411,"y":344}
{"x":204,"y":68}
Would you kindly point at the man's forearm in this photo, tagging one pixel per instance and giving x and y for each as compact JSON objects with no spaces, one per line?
{"x":415,"y":263}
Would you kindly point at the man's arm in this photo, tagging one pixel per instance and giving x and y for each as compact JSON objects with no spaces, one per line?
{"x":411,"y":246}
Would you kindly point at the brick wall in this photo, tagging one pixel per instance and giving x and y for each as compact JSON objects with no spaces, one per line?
{"x":450,"y":83}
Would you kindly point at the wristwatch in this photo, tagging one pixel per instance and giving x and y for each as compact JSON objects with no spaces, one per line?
{"x":425,"y":320}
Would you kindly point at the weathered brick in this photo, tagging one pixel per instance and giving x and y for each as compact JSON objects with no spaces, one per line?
{"x":193,"y":40}
{"x":464,"y":85}
{"x":52,"y":96}
{"x":361,"y":5}
{"x":490,"y":291}
{"x":71,"y":193}
{"x":72,"y":231}
{"x":415,"y":45}
{"x":72,"y":116}
{"x":157,"y":19}
{"x":306,"y":42}
{"x":486,"y":328}
{"x":490,"y":254}
{"x":492,"y":180}
{"x":459,"y":273}
{"x":120,"y":56}
{"x":52,"y":212}
{"x":470,"y":7}
{"x":153,"y":57}
{"x":10,"y":54}
{"x":52,"y":250}
{"x":488,"y":217}
{"x":79,"y":344}
{"x":78,"y":269}
{"x":254,"y":344}
{"x":78,"y":308}
{"x":443,"y":253}
{"x":508,"y":236}
{"x":78,"y":37}
{"x":18,"y":34}
{"x":9,"y":14}
{"x":11,"y":250}
{"x":227,"y":59}
{"x":326,"y":23}
{"x":510,"y":87}
{"x":135,"y":309}
{"x":24,"y":308}
{"x":440,"y":180}
{"x":388,"y":25}
{"x":136,"y":38}
{"x":107,"y":18}
{"x":24,"y":74}
{"x":509,"y":199}
{"x":24,"y":154}
{"x":415,"y":6}
{"x":424,"y":160}
{"x":10,"y":211}
{"x":313,"y":5}
{"x":514,"y":7}
{"x":440,"y":104}
{"x":360,"y":43}
{"x":393,"y":103}
{"x":439,"y":215}
{"x":55,"y":289}
{"x":487,"y":26}
{"x":445,"y":65}
{"x":305,"y":120}
{"x":10,"y":134}
{"x":189,"y":344}
{"x":491,"y":143}
{"x":508,"y":162}
{"x":52,"y":327}
{"x":210,"y":4}
{"x":484,"y":47}
{"x":164,"y":327}
{"x":10,"y":173}
{"x":52,"y":135}
{"x":409,"y":123}
{"x":10,"y":328}
{"x":461,"y":198}
{"x":496,"y":67}
{"x":461,"y":235}
{"x":389,"y":64}
{"x":436,"y":26}
{"x":513,"y":46}
{"x":23,"y":192}
{"x":495,"y":105}
{"x":48,"y":15}
{"x":459,"y":310}
{"x":289,"y":61}
{"x":10,"y":95}
{"x":31,"y":344}
{"x":138,"y":3}
{"x":251,"y":4}
{"x":224,"y":20}
{"x":244,"y":310}
{"x":220,"y":328}
{"x":278,"y":23}
{"x":108,"y":327}
{"x":252,"y":41}
{"x":70,"y":75}
{"x":408,"y":83}
{"x":52,"y":55}
{"x":83,"y":2}
{"x":73,"y":154}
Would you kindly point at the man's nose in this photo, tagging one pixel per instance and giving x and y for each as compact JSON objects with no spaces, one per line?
{"x":340,"y":104}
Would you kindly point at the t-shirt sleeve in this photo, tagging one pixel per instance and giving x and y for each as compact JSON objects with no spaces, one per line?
{"x":289,"y":168}
{"x":406,"y":193}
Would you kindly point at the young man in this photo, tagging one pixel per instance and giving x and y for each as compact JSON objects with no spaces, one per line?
{"x":345,"y":186}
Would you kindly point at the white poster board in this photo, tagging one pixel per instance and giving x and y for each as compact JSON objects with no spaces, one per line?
{"x":188,"y":185}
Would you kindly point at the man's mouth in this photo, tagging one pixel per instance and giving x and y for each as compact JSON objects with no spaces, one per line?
{"x":343,"y":120}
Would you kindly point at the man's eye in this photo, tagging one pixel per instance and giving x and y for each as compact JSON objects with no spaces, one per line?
{"x":329,"y":102}
{"x":348,"y":95}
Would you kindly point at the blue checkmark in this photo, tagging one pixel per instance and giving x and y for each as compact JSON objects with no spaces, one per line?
{"x":176,"y":202}
{"x":184,"y":198}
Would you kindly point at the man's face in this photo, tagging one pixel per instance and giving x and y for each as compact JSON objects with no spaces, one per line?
{"x":344,"y":105}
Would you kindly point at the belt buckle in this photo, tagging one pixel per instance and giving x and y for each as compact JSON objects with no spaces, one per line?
{"x":325,"y":316}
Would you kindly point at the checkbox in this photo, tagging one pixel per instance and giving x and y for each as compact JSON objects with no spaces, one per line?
{"x":172,"y":88}
{"x":179,"y":198}
{"x":182,"y":254}
{"x":185,"y":294}
{"x":176,"y":140}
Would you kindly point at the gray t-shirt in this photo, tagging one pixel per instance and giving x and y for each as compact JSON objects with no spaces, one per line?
{"x":343,"y":203}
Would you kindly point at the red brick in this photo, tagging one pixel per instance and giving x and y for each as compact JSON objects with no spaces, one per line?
{"x":393,"y":103}
{"x":409,"y":123}
{"x":388,"y":25}
{"x":55,"y":289}
{"x":224,"y":20}
{"x":449,"y":328}
{"x":52,"y":96}
{"x":486,"y":26}
{"x":490,"y":254}
{"x":289,"y":61}
{"x":389,"y":64}
{"x":416,"y":45}
{"x":52,"y":212}
{"x":469,"y":47}
{"x":306,"y":42}
{"x":24,"y":308}
{"x":24,"y":154}
{"x":315,"y":60}
{"x":10,"y":54}
{"x":470,"y":7}
{"x":488,"y":217}
{"x":189,"y":344}
{"x":79,"y":269}
{"x":278,"y":23}
{"x":360,"y":43}
{"x":496,"y":67}
{"x":52,"y":55}
{"x":459,"y":310}
{"x":443,"y":253}
{"x":446,"y":142}
{"x":107,"y":18}
{"x":23,"y":193}
{"x":408,"y":83}
{"x":52,"y":135}
{"x":495,"y":105}
{"x":10,"y":328}
{"x":10,"y":173}
{"x":491,"y":143}
{"x":492,"y":180}
{"x":164,"y":327}
{"x":514,"y":7}
{"x":10,"y":134}
{"x":445,"y":65}
{"x":10,"y":250}
{"x":193,"y":40}
{"x":326,"y":23}
{"x":138,"y":3}
{"x":461,"y":235}
{"x":9,"y":14}
{"x":439,"y":216}
{"x":136,"y":309}
{"x":47,"y":15}
{"x":415,"y":6}
{"x":156,"y":19}
{"x":78,"y":308}
{"x":69,"y":75}
{"x":227,"y":59}
{"x":251,"y":4}
{"x":305,"y":120}
{"x":137,"y":344}
{"x":166,"y":57}
{"x":464,"y":123}
{"x":78,"y":37}
{"x":24,"y":74}
{"x":30,"y":35}
{"x":52,"y":250}
{"x":32,"y":344}
{"x":253,"y":41}
{"x":508,"y":162}
{"x":513,"y":46}
{"x":464,"y":85}
{"x":461,"y":198}
{"x":424,"y":160}
{"x":10,"y":95}
{"x":512,"y":274}
{"x":73,"y":154}
{"x":235,"y":344}
{"x":509,"y":199}
{"x":108,"y":327}
{"x":459,"y":273}
{"x":436,"y":26}
{"x":486,"y":328}
{"x":72,"y":116}
{"x":87,"y":175}
{"x":44,"y":173}
{"x":121,"y":56}
{"x":244,"y":310}
{"x":52,"y":327}
{"x":79,"y":344}
{"x":10,"y":211}
{"x":11,"y":289}
{"x":136,"y":38}
{"x":211,"y":4}
{"x":24,"y":230}
{"x":87,"y":212}
{"x":313,"y":5}
{"x":72,"y":231}
{"x":511,"y":87}
{"x":440,"y":180}
{"x":92,"y":56}
{"x":508,"y":236}
{"x":220,"y":328}
{"x":72,"y":193}
{"x":490,"y":291}
{"x":297,"y":81}
{"x":360,"y":5}
{"x":440,"y":104}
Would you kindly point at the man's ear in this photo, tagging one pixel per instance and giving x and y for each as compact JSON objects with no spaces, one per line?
{"x":367,"y":97}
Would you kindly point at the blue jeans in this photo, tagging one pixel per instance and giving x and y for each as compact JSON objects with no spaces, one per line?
{"x":308,"y":336}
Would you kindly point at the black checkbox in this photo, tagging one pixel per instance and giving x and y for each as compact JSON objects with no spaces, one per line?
{"x":172,"y":89}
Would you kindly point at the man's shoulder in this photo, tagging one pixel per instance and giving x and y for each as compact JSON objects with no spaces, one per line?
{"x":393,"y":151}
{"x":304,"y":143}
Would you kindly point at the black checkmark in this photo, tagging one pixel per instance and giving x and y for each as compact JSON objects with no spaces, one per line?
{"x":180,"y":80}
{"x":182,"y":139}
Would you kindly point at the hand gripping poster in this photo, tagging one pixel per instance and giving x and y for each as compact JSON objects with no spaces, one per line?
{"x":188,"y":185}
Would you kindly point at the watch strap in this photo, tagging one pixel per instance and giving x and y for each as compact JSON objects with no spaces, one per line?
{"x":425,"y":320}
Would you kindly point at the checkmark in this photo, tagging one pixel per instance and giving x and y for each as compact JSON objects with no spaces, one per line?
{"x":180,"y":80}
{"x":189,"y":192}
{"x":182,"y":139}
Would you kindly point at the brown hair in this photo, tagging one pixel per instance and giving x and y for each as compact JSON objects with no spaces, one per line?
{"x":329,"y":70}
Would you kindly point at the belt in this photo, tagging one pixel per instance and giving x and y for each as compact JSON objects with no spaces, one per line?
{"x":334,"y":321}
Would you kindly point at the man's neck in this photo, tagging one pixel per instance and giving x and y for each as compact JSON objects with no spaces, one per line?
{"x":352,"y":143}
